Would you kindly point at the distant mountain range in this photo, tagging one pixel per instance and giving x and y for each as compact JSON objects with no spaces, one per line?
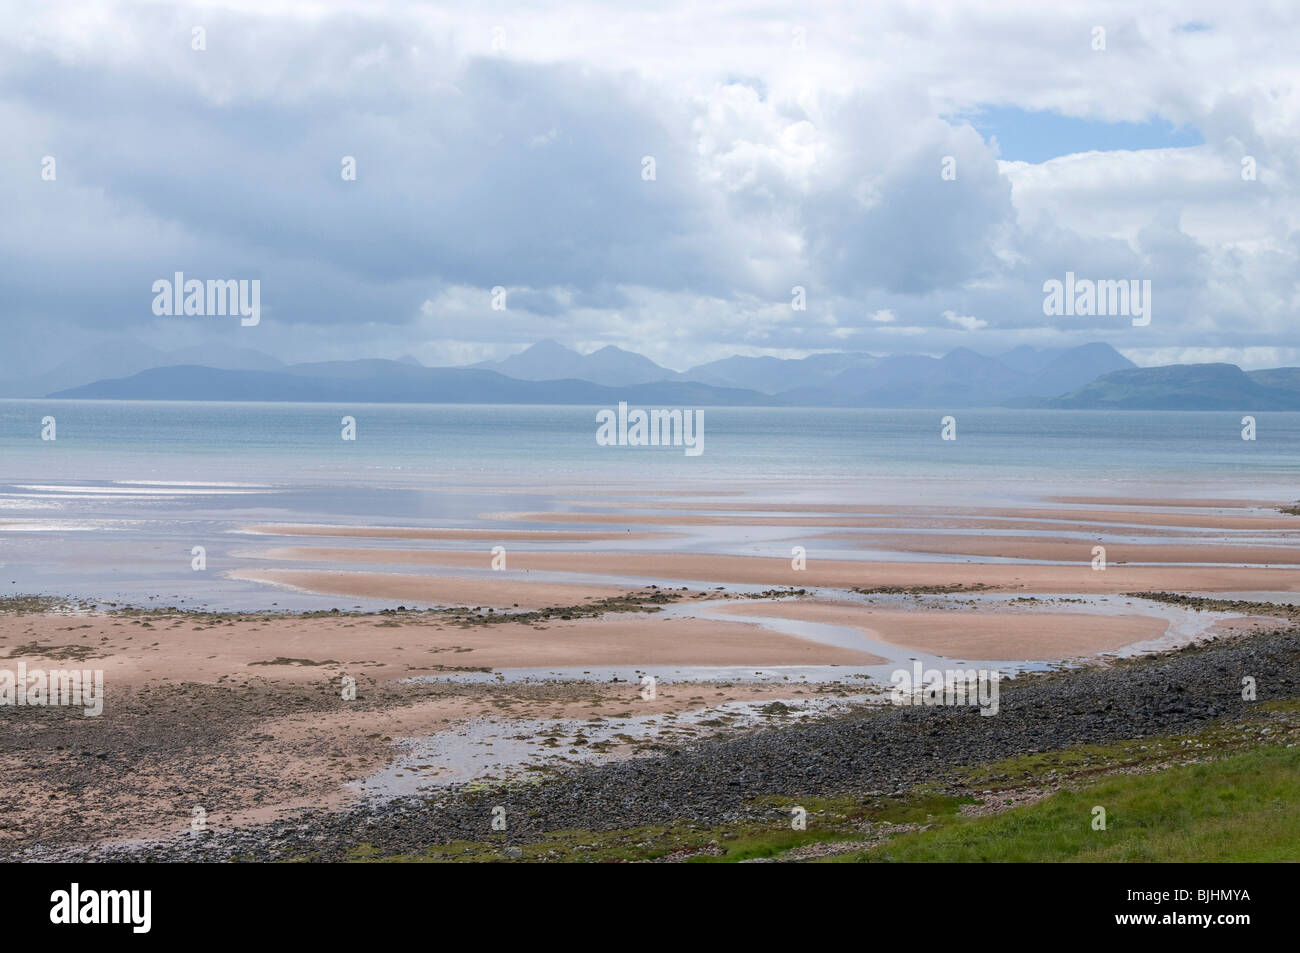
{"x":122,"y":360}
{"x":1087,"y":377}
{"x":1188,"y":387}
{"x":612,"y":366}
{"x":848,"y":379}
{"x":380,"y":381}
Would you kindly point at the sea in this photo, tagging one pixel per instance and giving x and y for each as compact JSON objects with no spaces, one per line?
{"x":110,"y":508}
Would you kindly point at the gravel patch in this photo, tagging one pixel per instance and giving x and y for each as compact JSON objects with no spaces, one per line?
{"x":888,"y":750}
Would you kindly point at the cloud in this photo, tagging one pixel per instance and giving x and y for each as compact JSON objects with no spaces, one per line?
{"x":964,"y":321}
{"x":1249,"y":358}
{"x":520,"y":164}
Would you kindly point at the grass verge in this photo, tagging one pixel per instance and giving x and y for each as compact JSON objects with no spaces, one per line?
{"x":1245,"y":807}
{"x":1229,"y":792}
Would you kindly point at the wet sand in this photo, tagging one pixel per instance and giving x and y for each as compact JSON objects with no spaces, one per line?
{"x":173,"y":649}
{"x":256,"y":696}
{"x":1079,"y":550}
{"x":253,"y":749}
{"x":975,"y":636}
{"x":499,"y":593}
{"x":796,"y":516}
{"x":704,"y":568}
{"x":406,"y":532}
{"x":243,"y":716}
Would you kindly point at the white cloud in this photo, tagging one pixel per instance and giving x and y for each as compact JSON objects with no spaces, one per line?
{"x":964,"y":321}
{"x":776,"y":166}
{"x":1248,"y":358}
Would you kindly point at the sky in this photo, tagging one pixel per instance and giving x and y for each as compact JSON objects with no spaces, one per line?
{"x":919,"y":170}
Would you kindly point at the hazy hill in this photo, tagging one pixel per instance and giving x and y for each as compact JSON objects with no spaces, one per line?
{"x":1093,"y":376}
{"x":961,"y":377}
{"x":1189,"y":387}
{"x":1071,"y":369}
{"x":373,"y":381}
{"x":772,"y":375}
{"x":1030,"y":360}
{"x":548,"y":361}
{"x":124,"y":359}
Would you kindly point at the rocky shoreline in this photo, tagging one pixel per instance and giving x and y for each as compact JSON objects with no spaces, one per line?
{"x":872,"y":752}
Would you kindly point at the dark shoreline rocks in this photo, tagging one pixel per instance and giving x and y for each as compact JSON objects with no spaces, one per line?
{"x":872,"y":750}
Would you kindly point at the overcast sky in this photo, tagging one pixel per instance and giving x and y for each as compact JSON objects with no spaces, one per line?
{"x":502,"y":144}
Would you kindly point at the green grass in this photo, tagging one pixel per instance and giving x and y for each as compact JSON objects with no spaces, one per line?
{"x":829,"y":819}
{"x":1243,"y":808}
{"x":1080,"y":762}
{"x":640,"y":843}
{"x":764,"y":844}
{"x":1239,"y":800}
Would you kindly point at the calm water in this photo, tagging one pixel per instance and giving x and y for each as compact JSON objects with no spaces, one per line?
{"x":404,"y":444}
{"x":104,"y":509}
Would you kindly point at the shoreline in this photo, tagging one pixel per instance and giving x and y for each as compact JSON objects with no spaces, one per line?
{"x":529,"y":679}
{"x":868,"y":756}
{"x":270,"y":700}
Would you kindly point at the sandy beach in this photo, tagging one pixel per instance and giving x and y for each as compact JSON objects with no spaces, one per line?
{"x":170,"y":649}
{"x":496,"y":668}
{"x":976,"y":636}
{"x":737,"y":570}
